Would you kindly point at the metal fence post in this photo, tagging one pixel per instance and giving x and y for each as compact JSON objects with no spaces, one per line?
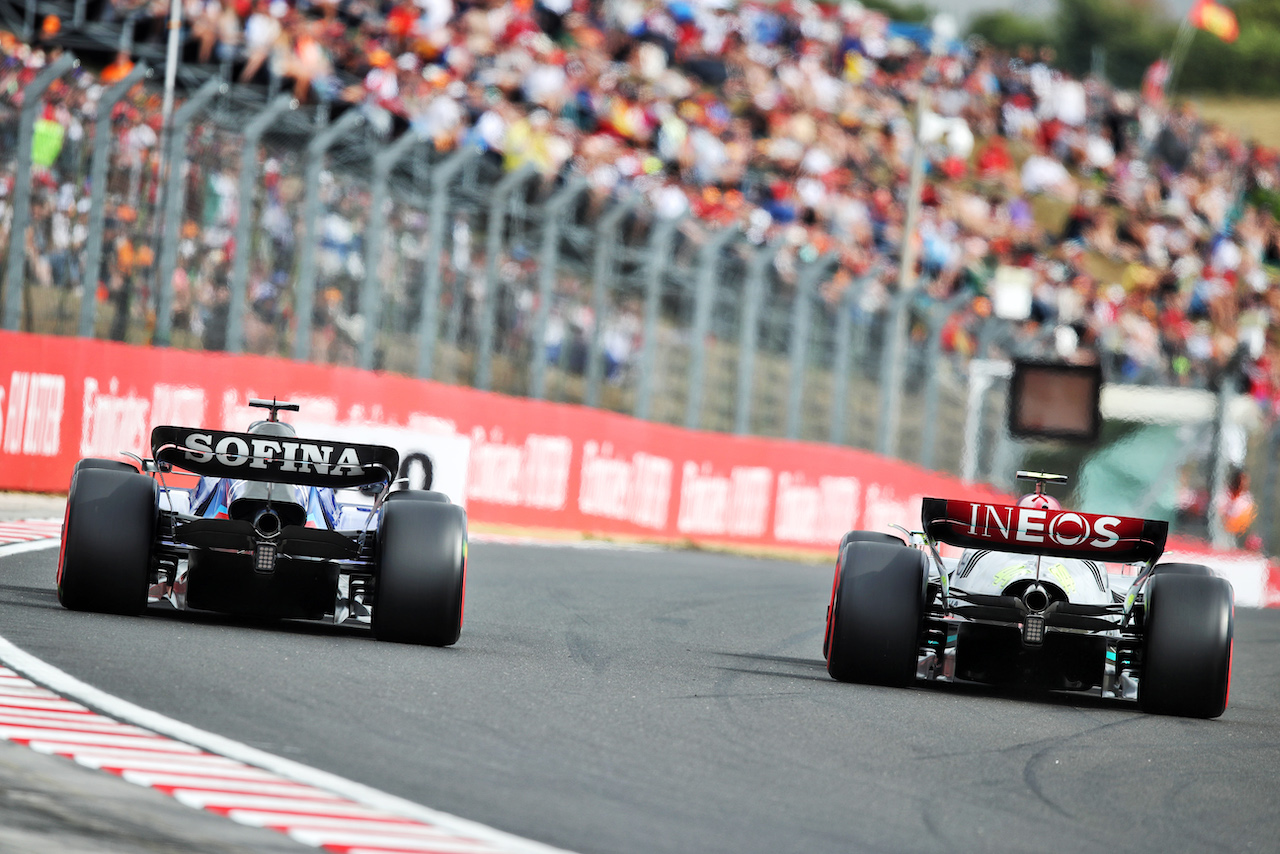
{"x":552,"y":216}
{"x":127,"y":29}
{"x":102,"y":137}
{"x":370,"y":307}
{"x":601,"y":284}
{"x":1218,"y":462}
{"x":982,"y":375}
{"x":891,"y":363}
{"x":847,"y":344}
{"x":938,"y":316}
{"x":840,"y":366}
{"x":801,"y":311}
{"x":428,"y":323}
{"x":1267,"y":507}
{"x":659,"y":255}
{"x":755,"y":287}
{"x":248,"y":177}
{"x":29,"y":22}
{"x":174,"y":195}
{"x":708,"y":266}
{"x":12,"y":295}
{"x":305,"y":293}
{"x":898,"y":340}
{"x":496,"y":228}
{"x":460,"y":243}
{"x":987,"y":332}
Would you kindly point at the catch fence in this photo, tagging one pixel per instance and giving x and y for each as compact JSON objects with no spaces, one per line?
{"x":279,"y":230}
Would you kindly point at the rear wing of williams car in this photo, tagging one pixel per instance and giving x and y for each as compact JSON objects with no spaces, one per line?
{"x":1053,"y":533}
{"x":279,"y":459}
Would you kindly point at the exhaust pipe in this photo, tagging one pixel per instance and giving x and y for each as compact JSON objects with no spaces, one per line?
{"x":1036,"y":598}
{"x":267,"y":523}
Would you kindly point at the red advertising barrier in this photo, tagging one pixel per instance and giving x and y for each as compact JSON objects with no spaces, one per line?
{"x":510,"y":461}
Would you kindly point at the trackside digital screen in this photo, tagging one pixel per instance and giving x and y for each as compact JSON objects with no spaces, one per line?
{"x":1055,"y":401}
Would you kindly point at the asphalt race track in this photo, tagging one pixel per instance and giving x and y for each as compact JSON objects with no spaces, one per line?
{"x":666,"y":702}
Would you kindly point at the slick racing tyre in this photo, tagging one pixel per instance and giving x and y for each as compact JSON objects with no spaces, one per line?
{"x":1182,"y":569}
{"x":417,"y":495}
{"x":105,"y":561}
{"x":871,"y":537}
{"x":876,"y":615}
{"x":422,"y":566}
{"x":1189,"y":626}
{"x":852,"y":537}
{"x":109,"y":465}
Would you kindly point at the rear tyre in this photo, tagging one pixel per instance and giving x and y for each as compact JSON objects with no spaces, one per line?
{"x":871,"y":537}
{"x":1182,"y":569}
{"x":1189,"y":627}
{"x":876,"y":615}
{"x":109,"y":465}
{"x":852,"y":537}
{"x":417,"y":495}
{"x":422,"y":566}
{"x":105,"y":561}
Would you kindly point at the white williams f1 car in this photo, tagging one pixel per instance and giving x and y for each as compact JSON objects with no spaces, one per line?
{"x":1030,"y":601}
{"x":276,"y":526}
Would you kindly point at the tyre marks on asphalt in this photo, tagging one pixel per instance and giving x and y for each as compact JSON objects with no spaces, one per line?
{"x":46,"y":722}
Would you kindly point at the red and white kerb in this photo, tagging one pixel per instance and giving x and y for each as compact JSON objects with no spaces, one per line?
{"x":45,"y":722}
{"x":29,"y":530}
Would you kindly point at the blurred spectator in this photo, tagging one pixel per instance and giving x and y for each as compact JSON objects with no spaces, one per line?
{"x":262,"y":32}
{"x":791,"y":121}
{"x":118,"y":69}
{"x":1236,"y":508}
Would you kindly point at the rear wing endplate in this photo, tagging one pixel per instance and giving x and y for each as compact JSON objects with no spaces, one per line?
{"x":1054,"y":533}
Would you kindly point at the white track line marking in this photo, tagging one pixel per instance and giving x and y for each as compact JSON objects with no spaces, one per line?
{"x":52,"y":712}
{"x":8,"y":549}
{"x":209,"y":772}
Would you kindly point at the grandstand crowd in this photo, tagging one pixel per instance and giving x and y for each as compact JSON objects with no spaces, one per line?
{"x":793,"y":120}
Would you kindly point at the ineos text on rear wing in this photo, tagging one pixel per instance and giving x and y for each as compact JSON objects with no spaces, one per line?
{"x":1055,"y":533}
{"x":250,"y":456}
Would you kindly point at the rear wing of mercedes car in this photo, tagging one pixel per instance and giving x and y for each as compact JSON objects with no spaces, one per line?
{"x":1053,"y":533}
{"x":279,"y":459}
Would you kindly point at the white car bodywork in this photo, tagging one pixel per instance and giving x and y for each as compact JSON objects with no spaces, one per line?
{"x":1083,"y":582}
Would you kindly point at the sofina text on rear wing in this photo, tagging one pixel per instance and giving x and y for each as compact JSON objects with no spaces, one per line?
{"x":251,"y":456}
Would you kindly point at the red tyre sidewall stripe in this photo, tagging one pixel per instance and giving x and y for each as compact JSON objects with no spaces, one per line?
{"x":462,"y":597}
{"x":62,"y":547}
{"x":1231,"y":655}
{"x":831,"y":604}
